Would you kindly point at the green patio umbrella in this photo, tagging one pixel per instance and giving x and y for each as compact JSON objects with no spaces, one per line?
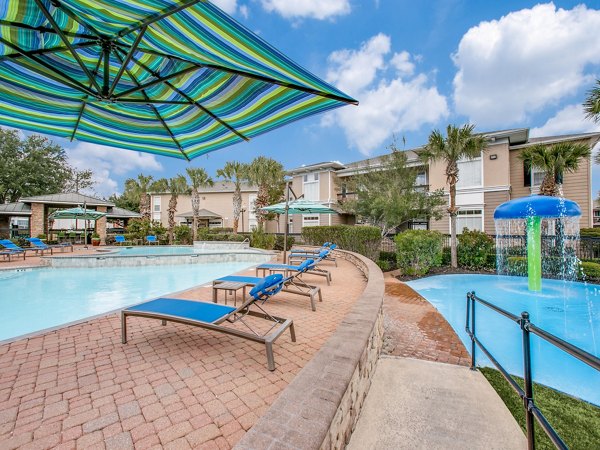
{"x":299,"y":206}
{"x":177,"y":78}
{"x":78,"y":213}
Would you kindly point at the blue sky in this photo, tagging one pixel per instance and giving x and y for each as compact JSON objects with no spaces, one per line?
{"x":414,"y":66}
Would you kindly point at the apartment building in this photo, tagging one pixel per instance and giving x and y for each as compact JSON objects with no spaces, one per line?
{"x":496,"y":176}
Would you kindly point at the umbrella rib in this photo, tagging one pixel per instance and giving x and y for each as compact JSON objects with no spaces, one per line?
{"x":127,"y":59}
{"x":191,"y":100}
{"x":155,"y":110}
{"x":84,"y":101}
{"x":253,"y":76}
{"x":142,"y":87}
{"x":73,"y":16}
{"x":42,"y":29}
{"x":73,"y":83}
{"x":153,"y":102}
{"x":43,"y":51}
{"x":156,"y":17}
{"x":67,"y":43}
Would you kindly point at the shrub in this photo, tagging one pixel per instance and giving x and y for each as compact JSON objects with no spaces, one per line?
{"x":365,"y":240}
{"x":418,"y":250}
{"x":260,"y":239}
{"x":491,"y":261}
{"x":590,"y":270}
{"x":279,"y":242}
{"x":95,"y":235}
{"x":183,"y":234}
{"x":20,"y":241}
{"x":387,"y":261}
{"x":384,"y":264}
{"x":237,"y":237}
{"x":473,"y":249}
{"x":591,"y":232}
{"x":219,"y":230}
{"x":140,"y":228}
{"x":446,"y":256}
{"x":517,"y":265}
{"x":42,"y":236}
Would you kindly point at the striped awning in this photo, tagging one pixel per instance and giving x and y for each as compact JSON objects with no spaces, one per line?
{"x":172,"y":77}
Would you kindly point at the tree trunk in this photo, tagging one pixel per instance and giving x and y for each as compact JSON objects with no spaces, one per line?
{"x":452,"y":177}
{"x":195,"y":213}
{"x":548,"y":186}
{"x":172,"y":209}
{"x":237,"y":208}
{"x":145,"y":206}
{"x":262,"y":200}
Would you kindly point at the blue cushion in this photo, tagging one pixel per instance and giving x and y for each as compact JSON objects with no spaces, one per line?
{"x":9,"y":244}
{"x":264,"y":287}
{"x":120,"y":238}
{"x":306,"y":265}
{"x":240,"y":279}
{"x":323,"y":254}
{"x":200,"y":311}
{"x":333,"y":246}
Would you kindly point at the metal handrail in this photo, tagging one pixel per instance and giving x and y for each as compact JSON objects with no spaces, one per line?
{"x":531,"y":410}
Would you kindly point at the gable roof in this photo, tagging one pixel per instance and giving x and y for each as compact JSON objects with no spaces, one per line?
{"x":15,"y":209}
{"x":202,"y":214}
{"x":67,"y":198}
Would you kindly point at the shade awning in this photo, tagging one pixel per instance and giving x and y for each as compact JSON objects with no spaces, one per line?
{"x":171,"y":77}
{"x":299,"y":207}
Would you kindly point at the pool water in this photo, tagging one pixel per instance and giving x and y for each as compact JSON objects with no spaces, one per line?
{"x":37,"y":299}
{"x":569,"y":310}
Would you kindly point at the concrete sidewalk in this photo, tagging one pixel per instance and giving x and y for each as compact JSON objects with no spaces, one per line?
{"x":422,"y":404}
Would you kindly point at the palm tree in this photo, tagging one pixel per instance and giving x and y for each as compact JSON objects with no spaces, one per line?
{"x":592,"y":103}
{"x":267,"y":174}
{"x":176,"y":185}
{"x":459,"y":144}
{"x":139,"y":188}
{"x":554,"y":160}
{"x":235,"y":172}
{"x":198,"y":179}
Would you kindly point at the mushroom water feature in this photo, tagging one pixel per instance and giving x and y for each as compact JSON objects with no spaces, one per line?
{"x":549,"y":226}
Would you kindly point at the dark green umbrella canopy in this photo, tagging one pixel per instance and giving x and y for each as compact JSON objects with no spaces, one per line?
{"x":172,"y":77}
{"x":77,"y":213}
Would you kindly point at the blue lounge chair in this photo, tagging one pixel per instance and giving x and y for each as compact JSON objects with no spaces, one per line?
{"x":314,"y":251}
{"x":42,"y":247}
{"x":286,"y":269}
{"x":13,"y":249}
{"x":151,"y":240}
{"x":292,"y":284}
{"x":324,"y":255}
{"x":120,"y":239}
{"x":211,"y":316}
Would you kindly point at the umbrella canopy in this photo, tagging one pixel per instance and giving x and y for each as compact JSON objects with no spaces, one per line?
{"x":173,"y":77}
{"x":77,"y":213}
{"x":300,"y":206}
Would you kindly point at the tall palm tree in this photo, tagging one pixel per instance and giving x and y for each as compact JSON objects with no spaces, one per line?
{"x":139,"y":188}
{"x":592,"y":103}
{"x":554,"y":161}
{"x":176,"y":186}
{"x":198,"y":179}
{"x":235,"y":172}
{"x":267,"y":174}
{"x":459,"y":144}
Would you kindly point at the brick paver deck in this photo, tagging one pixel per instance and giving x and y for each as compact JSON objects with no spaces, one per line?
{"x":169,"y":387}
{"x":414,"y":328}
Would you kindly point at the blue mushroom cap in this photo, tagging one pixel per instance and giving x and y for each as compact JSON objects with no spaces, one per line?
{"x":537,"y":205}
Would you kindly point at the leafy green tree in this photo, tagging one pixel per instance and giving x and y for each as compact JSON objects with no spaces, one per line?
{"x":554,"y":161}
{"x":235,"y":172}
{"x":198,"y":179}
{"x":460,"y":143}
{"x":79,"y":180}
{"x":268,"y":175}
{"x":32,"y":166}
{"x":136,"y":191}
{"x":592,"y":103}
{"x":385,"y":195}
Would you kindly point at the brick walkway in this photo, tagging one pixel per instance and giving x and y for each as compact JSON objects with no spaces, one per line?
{"x":414,"y":328}
{"x":169,"y":387}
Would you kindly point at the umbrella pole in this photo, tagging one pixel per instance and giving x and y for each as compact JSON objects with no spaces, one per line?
{"x":85,"y":225}
{"x":286,"y":226}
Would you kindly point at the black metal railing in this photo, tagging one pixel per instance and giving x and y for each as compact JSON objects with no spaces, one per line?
{"x":527,"y":328}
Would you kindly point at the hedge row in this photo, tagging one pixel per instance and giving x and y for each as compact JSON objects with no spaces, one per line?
{"x":365,"y":240}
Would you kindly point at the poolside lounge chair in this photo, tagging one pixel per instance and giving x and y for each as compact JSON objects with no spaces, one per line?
{"x":120,"y":239}
{"x":13,"y":249}
{"x":314,"y":251}
{"x":324,"y":255}
{"x":212,"y":316}
{"x":41,"y":246}
{"x":286,"y":269}
{"x":151,"y":240}
{"x":292,"y":284}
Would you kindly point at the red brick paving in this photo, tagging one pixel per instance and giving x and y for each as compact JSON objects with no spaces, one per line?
{"x":415,"y":329}
{"x":169,"y":387}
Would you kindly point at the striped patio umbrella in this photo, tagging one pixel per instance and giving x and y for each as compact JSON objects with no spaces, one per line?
{"x":177,"y":78}
{"x":299,"y":206}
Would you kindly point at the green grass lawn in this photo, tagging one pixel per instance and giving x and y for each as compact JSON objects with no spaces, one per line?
{"x":577,"y":422}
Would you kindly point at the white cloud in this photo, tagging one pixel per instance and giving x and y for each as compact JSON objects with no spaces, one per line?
{"x":106,"y":162}
{"x":315,"y":9}
{"x":400,"y":103}
{"x":229,"y":6}
{"x":570,"y":119}
{"x":529,"y":59}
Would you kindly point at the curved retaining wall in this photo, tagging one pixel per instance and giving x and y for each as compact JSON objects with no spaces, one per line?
{"x":320,"y":407}
{"x":108,"y":260}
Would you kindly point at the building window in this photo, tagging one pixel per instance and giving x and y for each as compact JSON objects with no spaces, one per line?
{"x":421,"y":178}
{"x":310,"y":220}
{"x":215,"y":223}
{"x":469,"y":174}
{"x":537,"y":176}
{"x":310,"y":187}
{"x":156,"y":203}
{"x":471,"y":219}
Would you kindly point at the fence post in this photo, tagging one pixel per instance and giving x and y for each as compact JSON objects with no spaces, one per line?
{"x":473,"y":346}
{"x":528,"y":400}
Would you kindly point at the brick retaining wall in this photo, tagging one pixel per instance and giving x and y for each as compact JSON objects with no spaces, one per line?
{"x":319,"y":408}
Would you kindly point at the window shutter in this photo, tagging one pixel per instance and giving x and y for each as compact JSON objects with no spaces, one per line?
{"x":526,"y":174}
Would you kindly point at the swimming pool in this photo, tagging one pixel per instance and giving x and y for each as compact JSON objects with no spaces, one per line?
{"x":157,"y":250}
{"x":36,"y":299}
{"x":568,"y":310}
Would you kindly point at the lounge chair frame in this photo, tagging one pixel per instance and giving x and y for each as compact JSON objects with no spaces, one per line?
{"x":267,"y":269}
{"x":237,"y":315}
